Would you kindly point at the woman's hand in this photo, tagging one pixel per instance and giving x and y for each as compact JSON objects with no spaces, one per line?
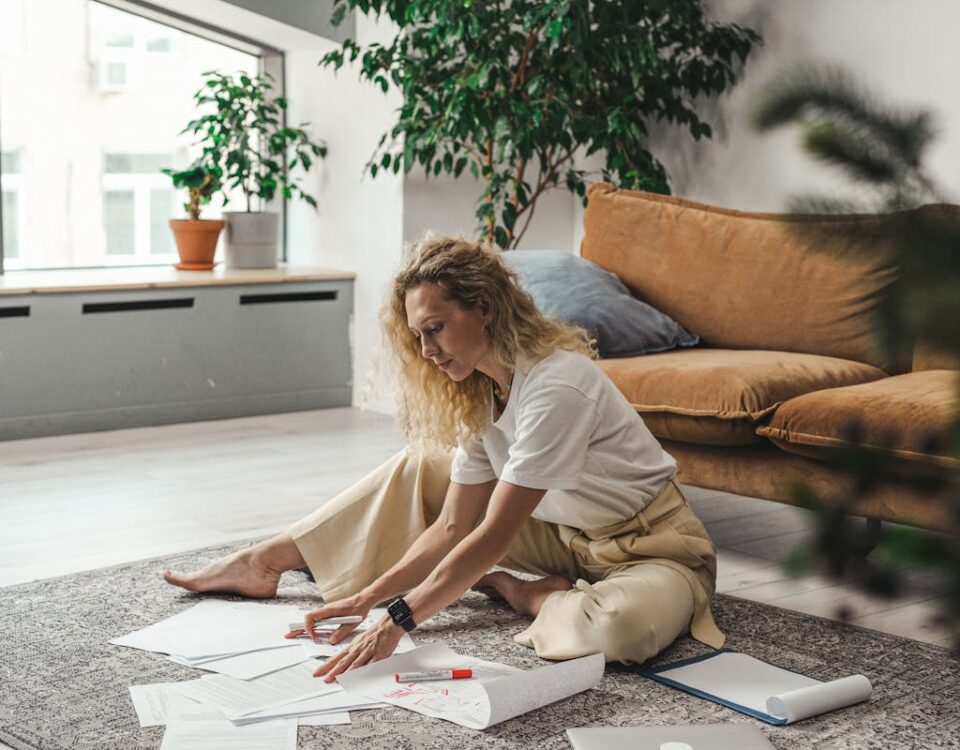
{"x":372,"y":645}
{"x":353,"y":605}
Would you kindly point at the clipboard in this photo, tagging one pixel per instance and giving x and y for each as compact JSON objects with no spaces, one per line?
{"x":759,"y":689}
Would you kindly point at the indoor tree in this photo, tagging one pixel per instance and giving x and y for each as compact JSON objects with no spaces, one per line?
{"x":514,"y":91}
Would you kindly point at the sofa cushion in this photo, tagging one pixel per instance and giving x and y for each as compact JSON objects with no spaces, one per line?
{"x":906,"y":418}
{"x":748,"y":280}
{"x":717,"y":396}
{"x":581,"y":293}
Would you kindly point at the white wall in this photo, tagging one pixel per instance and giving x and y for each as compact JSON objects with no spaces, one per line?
{"x":445,"y":204}
{"x":359,"y":223}
{"x":905,"y":52}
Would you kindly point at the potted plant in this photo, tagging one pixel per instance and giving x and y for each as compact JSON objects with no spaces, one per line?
{"x":245,"y":144}
{"x":196,"y":238}
{"x":518,"y":92}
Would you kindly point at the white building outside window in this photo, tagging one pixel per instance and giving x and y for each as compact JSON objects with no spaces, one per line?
{"x":12,"y":205}
{"x":85,"y":131}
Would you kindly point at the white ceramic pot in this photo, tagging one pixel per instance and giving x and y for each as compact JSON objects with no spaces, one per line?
{"x":252,"y":239}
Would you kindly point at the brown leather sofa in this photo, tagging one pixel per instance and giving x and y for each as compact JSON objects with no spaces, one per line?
{"x":788,"y":359}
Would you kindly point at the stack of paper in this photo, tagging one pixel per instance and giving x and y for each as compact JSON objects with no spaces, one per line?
{"x":265,"y":685}
{"x":262,"y":677}
{"x":239,"y":639}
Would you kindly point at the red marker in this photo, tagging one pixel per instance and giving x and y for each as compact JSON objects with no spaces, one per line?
{"x":438,"y":674}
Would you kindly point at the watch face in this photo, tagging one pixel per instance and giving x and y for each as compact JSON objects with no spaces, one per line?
{"x":399,"y":611}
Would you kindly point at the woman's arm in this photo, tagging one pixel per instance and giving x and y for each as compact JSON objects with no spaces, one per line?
{"x":509,"y":508}
{"x":463,"y":506}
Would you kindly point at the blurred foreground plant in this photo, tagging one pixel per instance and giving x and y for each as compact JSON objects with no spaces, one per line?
{"x":882,"y":150}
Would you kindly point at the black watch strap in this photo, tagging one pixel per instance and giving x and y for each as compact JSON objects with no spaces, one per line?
{"x":401,"y":614}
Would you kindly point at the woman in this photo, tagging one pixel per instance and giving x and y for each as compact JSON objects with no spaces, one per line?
{"x":544,"y":468}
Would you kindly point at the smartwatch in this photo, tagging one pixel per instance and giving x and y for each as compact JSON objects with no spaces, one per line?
{"x":401,"y":614}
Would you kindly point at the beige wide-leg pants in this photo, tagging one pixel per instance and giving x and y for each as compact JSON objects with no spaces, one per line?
{"x":637,"y":584}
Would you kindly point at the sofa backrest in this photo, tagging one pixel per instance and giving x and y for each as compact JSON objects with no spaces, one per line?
{"x":746,"y":280}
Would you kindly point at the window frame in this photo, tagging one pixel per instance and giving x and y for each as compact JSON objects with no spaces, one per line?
{"x":11,"y":182}
{"x":270,"y":61}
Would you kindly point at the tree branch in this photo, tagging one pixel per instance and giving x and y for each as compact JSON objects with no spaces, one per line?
{"x":543,"y":184}
{"x":491,"y":219}
{"x":521,"y":73}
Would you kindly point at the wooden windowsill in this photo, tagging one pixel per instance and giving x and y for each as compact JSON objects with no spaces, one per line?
{"x":155,"y":277}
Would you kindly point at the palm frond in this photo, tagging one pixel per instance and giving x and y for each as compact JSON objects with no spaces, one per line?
{"x":819,"y":204}
{"x":851,"y":149}
{"x":819,"y":94}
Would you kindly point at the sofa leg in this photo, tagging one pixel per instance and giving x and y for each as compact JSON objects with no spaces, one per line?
{"x":871,"y":536}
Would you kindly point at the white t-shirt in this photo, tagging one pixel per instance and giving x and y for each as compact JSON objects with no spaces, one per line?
{"x":568,"y":430}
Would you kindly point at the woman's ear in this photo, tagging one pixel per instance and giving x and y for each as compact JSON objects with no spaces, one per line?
{"x":486,"y":311}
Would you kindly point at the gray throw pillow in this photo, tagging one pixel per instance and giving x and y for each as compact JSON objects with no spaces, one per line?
{"x":582,"y":293}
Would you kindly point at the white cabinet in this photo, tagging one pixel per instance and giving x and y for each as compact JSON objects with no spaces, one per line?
{"x":74,"y":362}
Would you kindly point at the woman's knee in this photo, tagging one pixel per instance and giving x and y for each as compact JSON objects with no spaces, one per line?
{"x":630,"y":619}
{"x":655,"y":607}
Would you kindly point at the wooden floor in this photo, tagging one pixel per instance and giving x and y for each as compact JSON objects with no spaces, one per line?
{"x":78,"y":502}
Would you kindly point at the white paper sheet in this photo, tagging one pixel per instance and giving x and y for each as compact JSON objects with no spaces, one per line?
{"x":199,"y":661}
{"x":249,"y":665}
{"x":157,"y":703}
{"x":217,"y":735}
{"x":324,"y":720}
{"x":150,"y":702}
{"x":216,"y":628}
{"x":496,"y":693}
{"x":766,"y":688}
{"x":331,"y":703}
{"x":237,"y":698}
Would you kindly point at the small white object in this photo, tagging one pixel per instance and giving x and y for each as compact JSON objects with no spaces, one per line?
{"x":330,"y":623}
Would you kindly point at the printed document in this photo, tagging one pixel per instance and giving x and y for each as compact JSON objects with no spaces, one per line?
{"x":237,"y":698}
{"x":217,"y":735}
{"x":496,"y":693}
{"x":246,"y":666}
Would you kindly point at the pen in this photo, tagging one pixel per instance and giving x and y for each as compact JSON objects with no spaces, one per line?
{"x":437,"y":674}
{"x":329,"y":622}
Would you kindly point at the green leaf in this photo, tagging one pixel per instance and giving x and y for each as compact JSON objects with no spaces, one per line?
{"x":241,"y":116}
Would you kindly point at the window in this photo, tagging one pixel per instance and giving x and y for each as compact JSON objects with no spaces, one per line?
{"x":10,"y":188}
{"x":138,"y":201}
{"x":86,"y":131}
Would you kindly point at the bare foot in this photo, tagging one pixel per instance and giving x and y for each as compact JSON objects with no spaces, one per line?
{"x":526,"y":597}
{"x":243,"y":572}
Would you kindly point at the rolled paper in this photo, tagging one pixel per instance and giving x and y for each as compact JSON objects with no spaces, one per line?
{"x":819,"y":699}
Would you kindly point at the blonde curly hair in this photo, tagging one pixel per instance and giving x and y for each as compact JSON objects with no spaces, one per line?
{"x":433,"y":411}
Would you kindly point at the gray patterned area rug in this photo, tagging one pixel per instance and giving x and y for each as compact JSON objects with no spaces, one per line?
{"x":63,"y":686}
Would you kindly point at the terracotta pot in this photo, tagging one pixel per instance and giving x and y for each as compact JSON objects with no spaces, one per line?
{"x":196,"y":242}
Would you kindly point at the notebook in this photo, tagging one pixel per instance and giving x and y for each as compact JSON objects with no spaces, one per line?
{"x":697,"y":737}
{"x":759,"y":689}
